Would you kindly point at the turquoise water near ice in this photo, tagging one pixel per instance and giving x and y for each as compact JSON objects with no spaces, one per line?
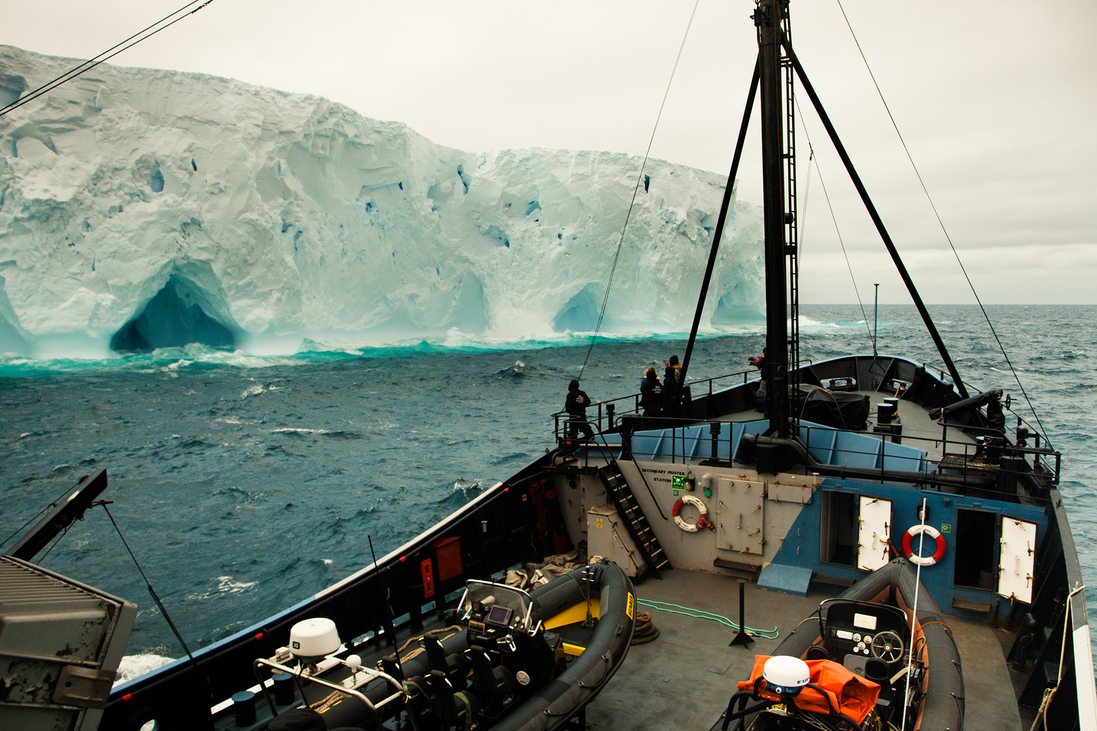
{"x":246,"y":483}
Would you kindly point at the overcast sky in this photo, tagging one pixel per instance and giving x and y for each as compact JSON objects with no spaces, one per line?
{"x":996,"y":100}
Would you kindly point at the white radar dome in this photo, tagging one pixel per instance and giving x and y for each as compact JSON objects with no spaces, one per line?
{"x":786,"y":675}
{"x":314,"y":638}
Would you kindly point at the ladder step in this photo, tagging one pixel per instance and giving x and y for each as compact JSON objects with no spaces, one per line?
{"x":620,"y":494}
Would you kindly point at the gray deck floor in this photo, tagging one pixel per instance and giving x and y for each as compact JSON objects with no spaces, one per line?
{"x":918,"y":430}
{"x":684,"y":678}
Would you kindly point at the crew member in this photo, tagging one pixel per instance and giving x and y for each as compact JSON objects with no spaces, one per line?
{"x":576,"y":406}
{"x":672,"y":386}
{"x":651,"y":393}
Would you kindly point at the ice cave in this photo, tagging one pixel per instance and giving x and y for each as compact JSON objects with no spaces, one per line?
{"x":172,"y":318}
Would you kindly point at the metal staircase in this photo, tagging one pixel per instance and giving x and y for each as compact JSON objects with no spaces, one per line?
{"x":620,"y":494}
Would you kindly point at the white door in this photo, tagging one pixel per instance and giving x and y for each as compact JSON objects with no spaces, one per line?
{"x":1018,"y":559}
{"x":873,"y":533}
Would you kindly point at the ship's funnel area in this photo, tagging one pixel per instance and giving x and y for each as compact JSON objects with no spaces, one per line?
{"x":176,"y":316}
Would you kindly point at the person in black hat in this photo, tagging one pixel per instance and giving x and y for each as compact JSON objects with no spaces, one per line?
{"x":672,"y":386}
{"x":576,"y":406}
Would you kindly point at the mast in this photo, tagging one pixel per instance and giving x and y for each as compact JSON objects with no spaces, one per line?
{"x":768,"y":17}
{"x":775,"y":72}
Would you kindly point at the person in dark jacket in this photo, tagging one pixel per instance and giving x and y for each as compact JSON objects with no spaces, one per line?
{"x":672,"y":386}
{"x":760,"y":394}
{"x":651,"y":393}
{"x":576,"y":406}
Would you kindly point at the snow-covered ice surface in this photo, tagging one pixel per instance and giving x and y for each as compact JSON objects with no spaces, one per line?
{"x":143,"y":208}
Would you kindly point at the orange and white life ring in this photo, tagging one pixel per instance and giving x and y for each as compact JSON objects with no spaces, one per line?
{"x":916,"y":530}
{"x":702,"y":521}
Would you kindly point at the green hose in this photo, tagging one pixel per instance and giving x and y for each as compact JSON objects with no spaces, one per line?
{"x":765,"y":634}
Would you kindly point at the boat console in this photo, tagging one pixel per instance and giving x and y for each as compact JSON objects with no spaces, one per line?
{"x":863,"y":675}
{"x":853,"y":632}
{"x":509,"y":649}
{"x":495,"y":612}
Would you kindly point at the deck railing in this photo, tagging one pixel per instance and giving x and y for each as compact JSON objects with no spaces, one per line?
{"x":607,"y":412}
{"x":989,"y":459}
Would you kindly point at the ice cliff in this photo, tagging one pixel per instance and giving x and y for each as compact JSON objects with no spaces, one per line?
{"x":143,"y":208}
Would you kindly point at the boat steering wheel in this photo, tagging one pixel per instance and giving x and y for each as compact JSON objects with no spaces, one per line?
{"x":888,"y":646}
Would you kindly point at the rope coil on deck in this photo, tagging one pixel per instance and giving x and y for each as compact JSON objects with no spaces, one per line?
{"x":645,"y":630}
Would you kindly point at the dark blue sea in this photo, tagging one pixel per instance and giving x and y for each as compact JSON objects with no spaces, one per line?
{"x":244,"y":484}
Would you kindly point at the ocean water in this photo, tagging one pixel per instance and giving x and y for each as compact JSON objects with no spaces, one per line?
{"x":245,"y":484}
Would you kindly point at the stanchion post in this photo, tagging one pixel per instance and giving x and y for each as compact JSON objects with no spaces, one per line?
{"x":743,"y":638}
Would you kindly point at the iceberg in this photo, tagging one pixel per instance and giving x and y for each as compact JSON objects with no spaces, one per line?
{"x":143,"y":208}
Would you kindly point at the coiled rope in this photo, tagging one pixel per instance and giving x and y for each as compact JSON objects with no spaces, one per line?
{"x":645,"y":630}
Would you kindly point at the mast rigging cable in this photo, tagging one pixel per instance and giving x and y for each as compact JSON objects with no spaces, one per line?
{"x":813,"y":161}
{"x":635,"y":191}
{"x":944,"y":230}
{"x":148,"y":585}
{"x":108,"y":54}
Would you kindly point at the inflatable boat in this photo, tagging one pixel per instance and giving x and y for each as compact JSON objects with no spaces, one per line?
{"x":863,"y":660}
{"x":509,"y":660}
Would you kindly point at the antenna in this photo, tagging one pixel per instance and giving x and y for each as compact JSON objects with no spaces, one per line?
{"x":390,"y":630}
{"x":875,"y":318}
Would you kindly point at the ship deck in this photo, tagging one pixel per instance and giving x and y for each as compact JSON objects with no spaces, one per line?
{"x":917,"y":428}
{"x":684,"y":678}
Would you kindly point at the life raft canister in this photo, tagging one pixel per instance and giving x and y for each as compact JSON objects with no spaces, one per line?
{"x":702,"y":520}
{"x":913,"y":532}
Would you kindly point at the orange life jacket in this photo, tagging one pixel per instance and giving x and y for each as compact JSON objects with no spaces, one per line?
{"x":849,"y":694}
